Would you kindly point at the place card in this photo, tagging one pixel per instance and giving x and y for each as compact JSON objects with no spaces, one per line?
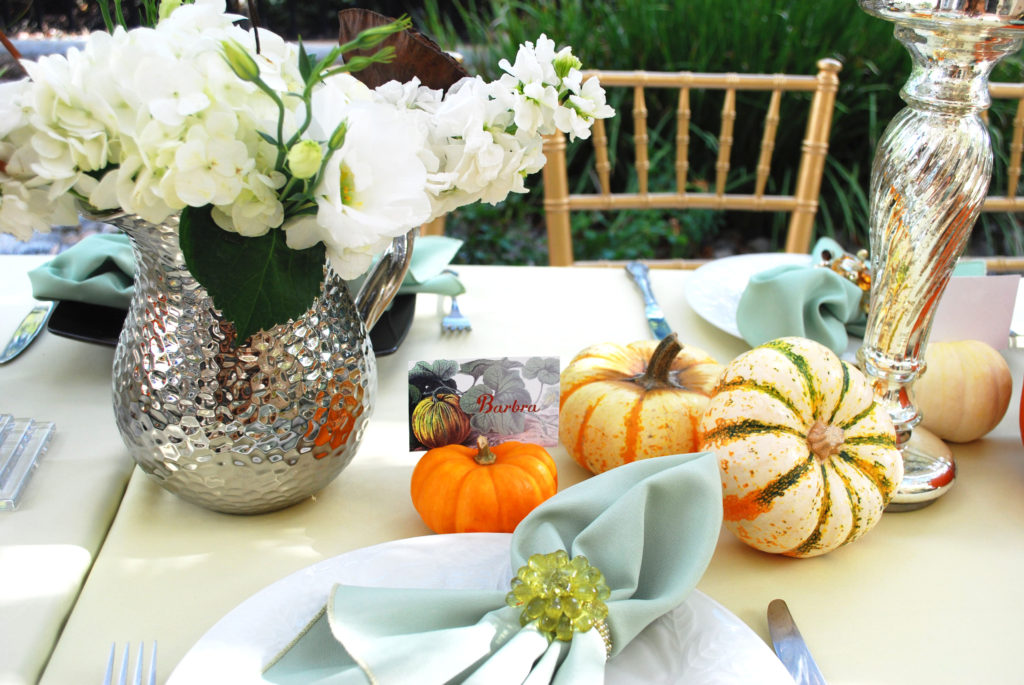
{"x":454,"y":401}
{"x":977,"y":308}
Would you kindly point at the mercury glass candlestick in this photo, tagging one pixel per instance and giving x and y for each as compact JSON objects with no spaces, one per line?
{"x":929,"y":179}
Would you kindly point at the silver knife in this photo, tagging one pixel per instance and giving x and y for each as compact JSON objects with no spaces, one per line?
{"x":655,"y":316}
{"x":26,"y":331}
{"x":790,"y":647}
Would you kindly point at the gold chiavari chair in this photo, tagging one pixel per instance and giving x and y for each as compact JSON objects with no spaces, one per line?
{"x":1007,"y":199}
{"x":802,"y":204}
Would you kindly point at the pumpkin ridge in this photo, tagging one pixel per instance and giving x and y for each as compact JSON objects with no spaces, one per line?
{"x":874,"y":471}
{"x":745,"y":427}
{"x":801,"y":365}
{"x":764,"y":388}
{"x":631,"y":445}
{"x":859,"y":417}
{"x":824,"y":514}
{"x":584,"y":423}
{"x":472,"y":498}
{"x":856,"y":509}
{"x":756,"y":502}
{"x":842,"y":395}
{"x":873,"y":439}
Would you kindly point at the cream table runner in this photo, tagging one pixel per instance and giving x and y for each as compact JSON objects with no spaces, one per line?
{"x":931,"y":597}
{"x":49,"y":542}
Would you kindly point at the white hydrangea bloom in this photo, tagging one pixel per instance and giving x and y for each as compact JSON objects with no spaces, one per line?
{"x":153,"y":120}
{"x":27,"y":202}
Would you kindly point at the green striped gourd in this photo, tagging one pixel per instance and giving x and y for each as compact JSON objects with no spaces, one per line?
{"x":808,"y":458}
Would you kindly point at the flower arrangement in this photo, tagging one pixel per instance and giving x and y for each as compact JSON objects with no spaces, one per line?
{"x":275,"y":161}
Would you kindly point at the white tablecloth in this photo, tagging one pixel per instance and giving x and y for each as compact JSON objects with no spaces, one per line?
{"x":48,"y":543}
{"x":930,"y":596}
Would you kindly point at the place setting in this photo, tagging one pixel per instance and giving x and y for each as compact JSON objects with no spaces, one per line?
{"x":554,"y":475}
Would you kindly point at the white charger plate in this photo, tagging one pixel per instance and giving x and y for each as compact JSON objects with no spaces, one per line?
{"x":714,"y":289}
{"x":698,"y":643}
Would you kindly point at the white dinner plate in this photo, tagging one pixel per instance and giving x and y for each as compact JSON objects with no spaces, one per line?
{"x":714,"y":289}
{"x":699,"y":642}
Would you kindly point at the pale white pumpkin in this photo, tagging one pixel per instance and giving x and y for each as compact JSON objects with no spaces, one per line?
{"x":965,"y":389}
{"x":808,"y":458}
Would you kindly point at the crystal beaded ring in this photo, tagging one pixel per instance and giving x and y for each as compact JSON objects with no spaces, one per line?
{"x":562,"y":596}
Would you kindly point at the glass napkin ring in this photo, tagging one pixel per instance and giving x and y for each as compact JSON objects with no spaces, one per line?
{"x":853,"y":268}
{"x":562,"y":596}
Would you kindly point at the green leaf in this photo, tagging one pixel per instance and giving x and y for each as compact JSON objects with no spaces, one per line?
{"x":267,"y":137}
{"x":495,"y":423}
{"x":504,"y":378}
{"x":256,"y":283}
{"x":476,"y":367}
{"x":305,"y":63}
{"x":544,"y":369}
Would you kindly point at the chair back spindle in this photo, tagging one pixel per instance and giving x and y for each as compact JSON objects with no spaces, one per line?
{"x":802,"y":204}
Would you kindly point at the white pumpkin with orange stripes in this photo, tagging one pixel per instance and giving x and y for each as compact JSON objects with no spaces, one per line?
{"x":620,"y":403}
{"x":807,"y":456}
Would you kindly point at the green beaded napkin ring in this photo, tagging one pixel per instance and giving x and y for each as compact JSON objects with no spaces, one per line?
{"x":563,"y":596}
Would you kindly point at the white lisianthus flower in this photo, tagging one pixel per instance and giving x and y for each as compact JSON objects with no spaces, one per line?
{"x":372,"y":187}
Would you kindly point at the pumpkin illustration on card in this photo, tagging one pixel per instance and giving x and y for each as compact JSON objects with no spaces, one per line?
{"x":455,"y":402}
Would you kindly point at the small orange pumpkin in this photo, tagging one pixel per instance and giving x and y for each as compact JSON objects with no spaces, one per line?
{"x":458,"y":489}
{"x":623,"y":403}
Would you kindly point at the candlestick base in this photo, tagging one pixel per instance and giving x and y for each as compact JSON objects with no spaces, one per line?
{"x":928,"y":472}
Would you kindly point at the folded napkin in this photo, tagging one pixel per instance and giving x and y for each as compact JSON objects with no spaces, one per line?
{"x":806,"y":301}
{"x":650,"y":527}
{"x":100,"y":269}
{"x":427,"y":273}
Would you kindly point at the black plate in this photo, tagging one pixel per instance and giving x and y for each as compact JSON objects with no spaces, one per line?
{"x":102,"y":325}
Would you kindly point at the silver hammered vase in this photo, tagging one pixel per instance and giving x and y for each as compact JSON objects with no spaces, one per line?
{"x":246,"y":429}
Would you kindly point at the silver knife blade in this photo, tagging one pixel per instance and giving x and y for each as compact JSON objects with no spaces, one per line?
{"x":655,"y":316}
{"x":26,"y":331}
{"x":790,"y":646}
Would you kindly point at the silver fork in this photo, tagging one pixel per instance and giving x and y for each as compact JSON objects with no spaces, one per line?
{"x":455,"y":321}
{"x":122,"y":673}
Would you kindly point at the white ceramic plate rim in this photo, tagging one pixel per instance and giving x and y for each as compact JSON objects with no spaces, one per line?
{"x":714,"y":289}
{"x":698,"y":643}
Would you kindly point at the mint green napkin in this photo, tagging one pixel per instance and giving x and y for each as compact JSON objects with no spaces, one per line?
{"x":806,"y":301}
{"x":650,"y":526}
{"x":431,"y":255}
{"x":99,"y":269}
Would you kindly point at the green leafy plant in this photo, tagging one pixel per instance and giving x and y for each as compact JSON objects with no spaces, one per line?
{"x":768,"y":36}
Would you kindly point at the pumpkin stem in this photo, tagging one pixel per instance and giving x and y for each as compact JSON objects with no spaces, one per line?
{"x":484,"y":455}
{"x":661,"y":362}
{"x":825,"y":440}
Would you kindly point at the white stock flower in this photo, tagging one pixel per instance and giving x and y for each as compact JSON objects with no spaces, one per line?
{"x":410,"y":95}
{"x":577,"y":117}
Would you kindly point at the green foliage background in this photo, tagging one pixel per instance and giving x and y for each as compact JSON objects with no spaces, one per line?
{"x":768,"y":36}
{"x":699,"y":35}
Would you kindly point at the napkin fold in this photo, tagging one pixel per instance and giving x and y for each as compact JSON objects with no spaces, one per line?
{"x":806,"y":301}
{"x":650,"y":527}
{"x":100,"y":269}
